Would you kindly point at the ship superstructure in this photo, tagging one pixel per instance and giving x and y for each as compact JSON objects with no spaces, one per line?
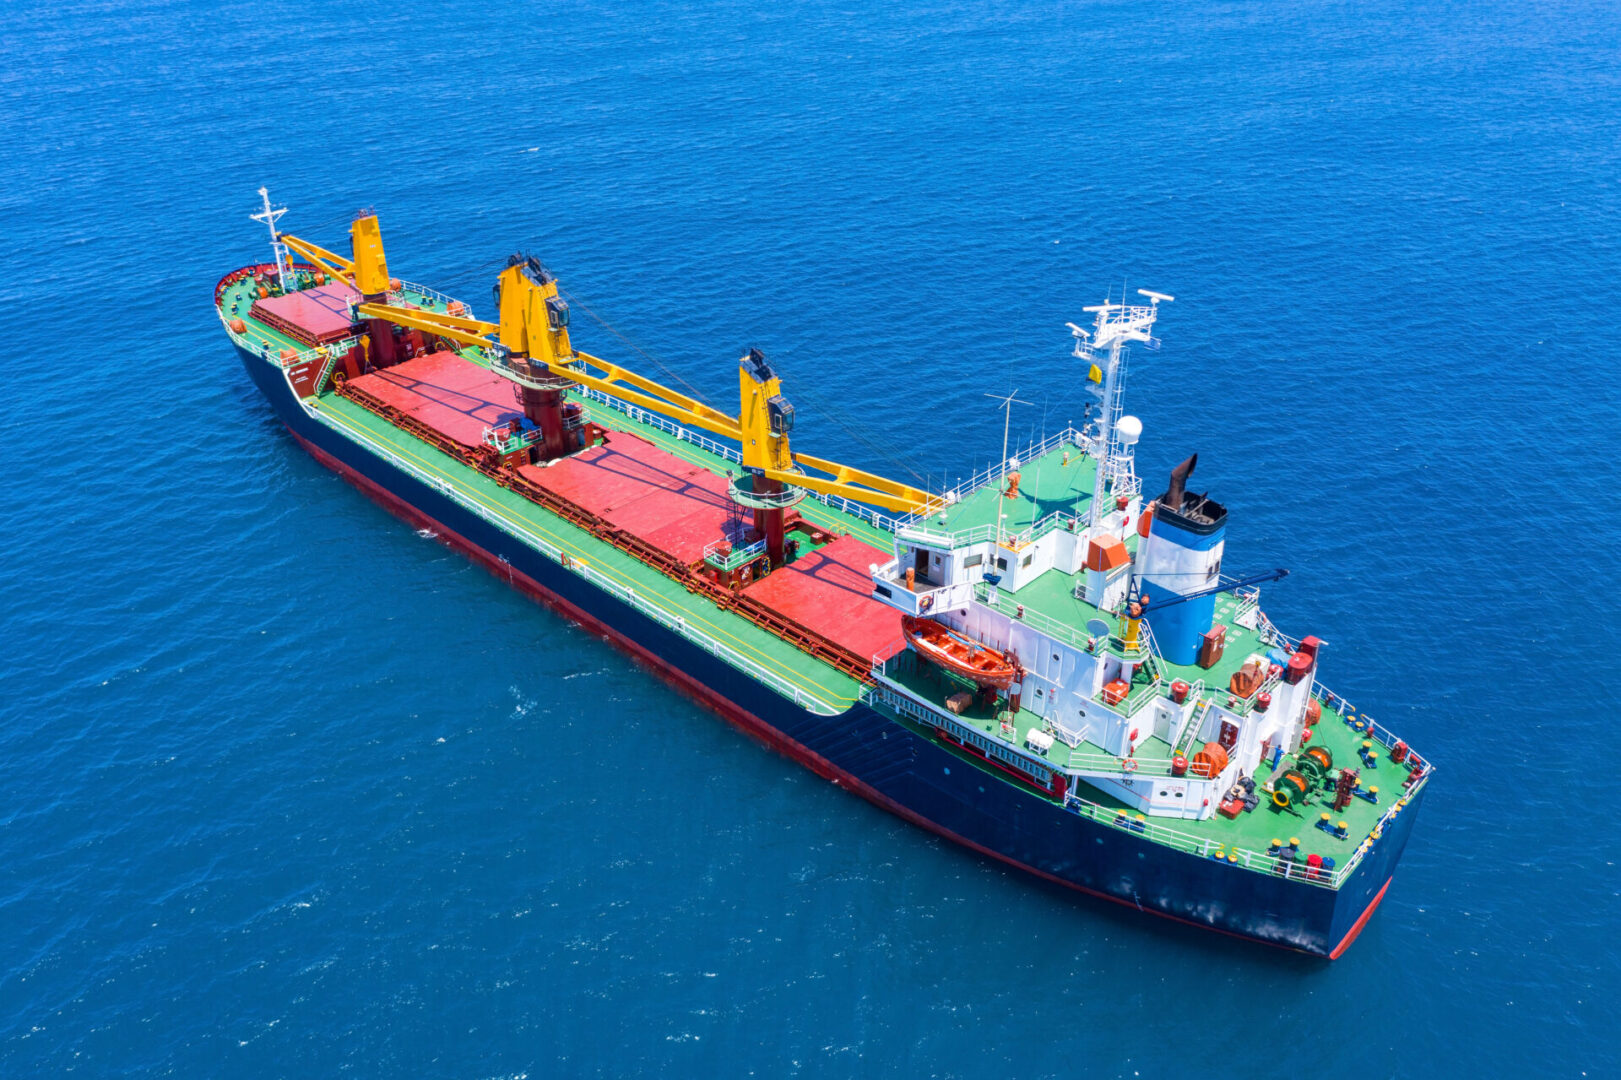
{"x":1040,"y":663}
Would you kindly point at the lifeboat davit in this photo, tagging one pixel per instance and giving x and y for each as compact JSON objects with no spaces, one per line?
{"x":979,"y":663}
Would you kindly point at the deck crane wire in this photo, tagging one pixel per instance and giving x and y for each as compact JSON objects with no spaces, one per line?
{"x":643,"y":353}
{"x":803,"y":392}
{"x":529,"y":344}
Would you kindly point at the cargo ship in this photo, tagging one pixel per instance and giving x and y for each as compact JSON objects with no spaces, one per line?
{"x":1040,"y":664}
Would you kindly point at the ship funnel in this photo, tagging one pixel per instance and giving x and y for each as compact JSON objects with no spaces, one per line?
{"x":1182,"y":556}
{"x":1179,"y":483}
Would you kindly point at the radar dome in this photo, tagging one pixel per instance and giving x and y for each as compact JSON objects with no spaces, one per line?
{"x":1128,"y":430}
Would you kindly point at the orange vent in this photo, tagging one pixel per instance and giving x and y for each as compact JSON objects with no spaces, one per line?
{"x":1210,"y":761}
{"x":1106,"y":553}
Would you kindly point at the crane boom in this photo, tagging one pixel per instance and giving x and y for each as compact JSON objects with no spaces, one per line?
{"x":367,"y":271}
{"x":335,"y":265}
{"x":530,"y":345}
{"x":613,"y":379}
{"x":872,"y":488}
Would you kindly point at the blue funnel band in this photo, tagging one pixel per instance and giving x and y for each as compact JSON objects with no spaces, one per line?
{"x":1179,"y":629}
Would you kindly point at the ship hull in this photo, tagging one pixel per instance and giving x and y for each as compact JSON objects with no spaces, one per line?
{"x":890,"y":765}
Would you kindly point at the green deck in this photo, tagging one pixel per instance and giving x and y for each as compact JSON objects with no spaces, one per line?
{"x":815,"y":677}
{"x":1057,"y":481}
{"x":1254,"y":830}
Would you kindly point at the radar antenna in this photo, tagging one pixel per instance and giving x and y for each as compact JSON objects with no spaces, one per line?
{"x":1114,"y":327}
{"x":1008,"y":401}
{"x":270,"y":215}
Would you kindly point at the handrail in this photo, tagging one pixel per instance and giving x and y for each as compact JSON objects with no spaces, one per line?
{"x":883,"y":656}
{"x":1270,"y":634}
{"x":1248,"y":600}
{"x":1005,"y":749}
{"x":878,"y":520}
{"x":980,"y":534}
{"x":319,"y":352}
{"x":1134,"y":702}
{"x":1100,"y":761}
{"x":433,"y":295}
{"x":1008,"y":605}
{"x":1257,"y":861}
{"x":1194,"y":720}
{"x":733,"y":558}
{"x":993,"y":473}
{"x":1085,"y":760}
{"x":1375,"y":730}
{"x":800,"y":696}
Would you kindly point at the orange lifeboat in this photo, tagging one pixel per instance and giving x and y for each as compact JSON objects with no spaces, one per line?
{"x":979,"y":663}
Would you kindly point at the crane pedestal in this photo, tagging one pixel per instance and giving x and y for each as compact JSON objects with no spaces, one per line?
{"x":541,"y":397}
{"x":769,"y":501}
{"x":384,"y":349}
{"x":544,"y":408}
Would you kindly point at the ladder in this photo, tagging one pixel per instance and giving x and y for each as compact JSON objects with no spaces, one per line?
{"x":1190,"y":729}
{"x":1152,"y":662}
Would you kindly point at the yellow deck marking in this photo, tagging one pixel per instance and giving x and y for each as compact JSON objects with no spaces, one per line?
{"x":788,"y":674}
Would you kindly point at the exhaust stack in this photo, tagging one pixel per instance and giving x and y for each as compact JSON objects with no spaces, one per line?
{"x":1182,"y":555}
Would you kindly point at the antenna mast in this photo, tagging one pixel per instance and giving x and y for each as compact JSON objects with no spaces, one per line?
{"x":270,"y":215}
{"x":1114,"y":327}
{"x":1008,"y":401}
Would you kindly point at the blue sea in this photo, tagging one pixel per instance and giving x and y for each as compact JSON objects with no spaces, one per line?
{"x":287,"y":789}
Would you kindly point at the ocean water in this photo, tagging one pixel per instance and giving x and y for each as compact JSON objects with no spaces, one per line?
{"x":287,"y":789}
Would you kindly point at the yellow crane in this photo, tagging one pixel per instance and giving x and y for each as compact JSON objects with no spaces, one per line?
{"x":530,"y":345}
{"x":367,"y":271}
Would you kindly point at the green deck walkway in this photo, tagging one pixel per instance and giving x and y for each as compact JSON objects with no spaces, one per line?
{"x":1056,"y":481}
{"x":816,"y":678}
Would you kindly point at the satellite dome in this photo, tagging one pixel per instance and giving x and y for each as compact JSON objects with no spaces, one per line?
{"x":1128,"y":430}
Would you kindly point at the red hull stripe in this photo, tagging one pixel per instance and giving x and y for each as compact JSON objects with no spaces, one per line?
{"x":743,"y":719}
{"x":1362,"y":920}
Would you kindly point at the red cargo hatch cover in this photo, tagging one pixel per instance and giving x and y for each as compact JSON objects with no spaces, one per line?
{"x":830,"y":591}
{"x":453,"y":396}
{"x":314,"y":316}
{"x":676,"y":506}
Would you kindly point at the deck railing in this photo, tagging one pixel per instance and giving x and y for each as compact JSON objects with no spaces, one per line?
{"x":648,"y":606}
{"x":433,"y":296}
{"x":734,"y":555}
{"x":984,"y":534}
{"x":1271,"y":634}
{"x":1138,"y":698}
{"x":993,"y":473}
{"x":1000,"y":747}
{"x":319,"y":352}
{"x":873,"y":517}
{"x":1248,"y":600}
{"x":1207,"y":847}
{"x":1148,"y":827}
{"x":1008,"y":604}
